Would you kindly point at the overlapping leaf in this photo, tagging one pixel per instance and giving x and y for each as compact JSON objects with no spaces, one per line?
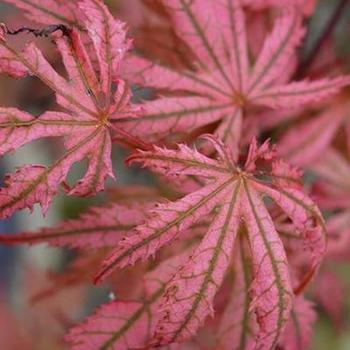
{"x":235,"y":196}
{"x":99,"y":227}
{"x":126,"y":325}
{"x":237,"y":328}
{"x":91,"y":100}
{"x":307,"y":142}
{"x":332,"y":191}
{"x":226,"y":85}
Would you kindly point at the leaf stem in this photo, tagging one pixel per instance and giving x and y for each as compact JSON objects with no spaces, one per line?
{"x":125,"y":137}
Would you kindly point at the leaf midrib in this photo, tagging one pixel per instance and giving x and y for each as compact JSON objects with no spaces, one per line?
{"x":47,"y":171}
{"x":136,"y":316}
{"x":47,"y":82}
{"x":278,"y":279}
{"x":212,"y":264}
{"x":159,"y":232}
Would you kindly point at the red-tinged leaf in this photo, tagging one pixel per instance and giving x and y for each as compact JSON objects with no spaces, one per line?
{"x":224,"y":85}
{"x":163,"y":273}
{"x":233,"y":195}
{"x":126,"y":325}
{"x":306,"y":218}
{"x":169,"y":222}
{"x":197,"y":23}
{"x":98,"y":227}
{"x":306,"y":143}
{"x":109,"y":38}
{"x":300,"y":93}
{"x":287,"y":175}
{"x":277,"y":51}
{"x":18,"y":128}
{"x":189,"y":295}
{"x":237,"y":329}
{"x":117,"y":325}
{"x":271,"y":290}
{"x":38,"y":184}
{"x":325,"y":169}
{"x":8,"y":63}
{"x":90,"y":106}
{"x":50,"y":11}
{"x":298,"y":332}
{"x":190,"y":112}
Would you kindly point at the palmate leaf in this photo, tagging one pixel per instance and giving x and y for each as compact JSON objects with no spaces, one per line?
{"x":226,"y":85}
{"x":235,"y":196}
{"x":98,"y":227}
{"x":91,"y":100}
{"x":237,"y":327}
{"x":126,"y":325}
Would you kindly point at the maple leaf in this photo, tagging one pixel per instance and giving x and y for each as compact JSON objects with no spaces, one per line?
{"x":298,"y":332}
{"x":91,"y":101}
{"x":332,"y":187}
{"x":225,"y":86}
{"x":308,"y":141}
{"x":237,"y":333}
{"x":96,"y":228}
{"x":125,"y":324}
{"x":235,"y":196}
{"x":331,"y":191}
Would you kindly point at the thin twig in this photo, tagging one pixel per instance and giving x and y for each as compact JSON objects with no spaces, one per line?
{"x":46,"y":31}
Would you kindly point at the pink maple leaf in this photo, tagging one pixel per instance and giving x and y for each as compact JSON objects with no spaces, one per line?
{"x":332,"y":192}
{"x":237,"y":328}
{"x":96,"y":228}
{"x":225,"y":85}
{"x":126,"y":325}
{"x":235,"y":196}
{"x":90,"y":99}
{"x":308,"y":141}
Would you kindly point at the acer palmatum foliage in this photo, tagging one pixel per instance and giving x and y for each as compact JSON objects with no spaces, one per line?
{"x":220,"y":254}
{"x":92,"y":100}
{"x":236,"y":197}
{"x":227,"y":86}
{"x":99,"y":227}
